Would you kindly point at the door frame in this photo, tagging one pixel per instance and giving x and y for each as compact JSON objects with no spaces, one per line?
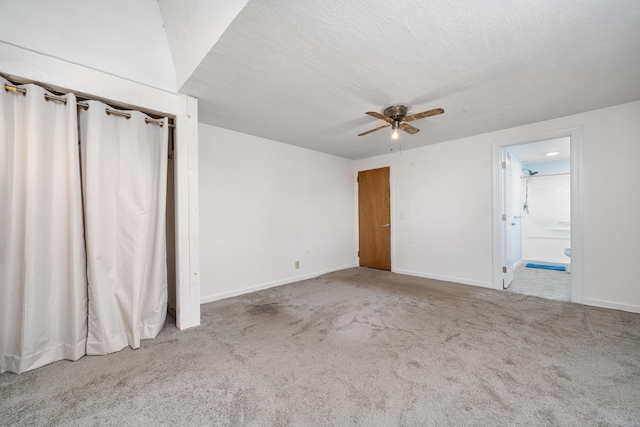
{"x":577,"y":217}
{"x":391,"y":209}
{"x":186,"y":199}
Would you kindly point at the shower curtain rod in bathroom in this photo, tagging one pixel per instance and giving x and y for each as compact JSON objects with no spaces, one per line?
{"x":545,"y":174}
{"x":85,"y":106}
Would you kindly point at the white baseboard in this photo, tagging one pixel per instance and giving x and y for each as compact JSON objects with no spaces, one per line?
{"x":248,"y":290}
{"x":610,"y":304}
{"x":518,"y":264}
{"x":445,"y":278}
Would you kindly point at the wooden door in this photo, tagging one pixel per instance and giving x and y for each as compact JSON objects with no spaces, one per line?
{"x":374,"y":218}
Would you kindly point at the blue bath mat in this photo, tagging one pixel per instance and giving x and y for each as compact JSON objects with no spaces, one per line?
{"x":546,"y":267}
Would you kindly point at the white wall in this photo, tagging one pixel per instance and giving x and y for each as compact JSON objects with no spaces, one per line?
{"x":446,"y":193}
{"x":265,"y":205}
{"x":611,"y":185}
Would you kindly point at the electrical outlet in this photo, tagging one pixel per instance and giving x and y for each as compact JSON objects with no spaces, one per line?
{"x":297,"y":265}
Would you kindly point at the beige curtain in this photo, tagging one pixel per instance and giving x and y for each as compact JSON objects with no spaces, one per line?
{"x":124,"y":167}
{"x":43,"y":288}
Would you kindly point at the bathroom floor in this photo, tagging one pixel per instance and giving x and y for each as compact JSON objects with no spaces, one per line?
{"x":550,"y":284}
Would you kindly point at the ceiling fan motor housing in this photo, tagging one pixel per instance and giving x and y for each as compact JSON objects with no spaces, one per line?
{"x":396,"y":112}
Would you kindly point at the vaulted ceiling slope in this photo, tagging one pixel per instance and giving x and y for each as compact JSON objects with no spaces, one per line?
{"x":158,"y":43}
{"x":304,"y":72}
{"x":193,"y":28}
{"x":119,"y":37}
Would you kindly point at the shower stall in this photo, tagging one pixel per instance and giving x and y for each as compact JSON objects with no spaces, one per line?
{"x":546,"y":215}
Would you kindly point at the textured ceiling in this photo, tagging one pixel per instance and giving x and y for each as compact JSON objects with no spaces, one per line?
{"x":304,"y":72}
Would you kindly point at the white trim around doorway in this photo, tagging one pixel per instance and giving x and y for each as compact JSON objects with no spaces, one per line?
{"x":577,"y":241}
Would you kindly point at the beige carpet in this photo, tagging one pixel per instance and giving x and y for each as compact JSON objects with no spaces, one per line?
{"x":356,"y":347}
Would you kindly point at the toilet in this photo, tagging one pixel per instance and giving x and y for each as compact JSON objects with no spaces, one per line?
{"x":567,"y":252}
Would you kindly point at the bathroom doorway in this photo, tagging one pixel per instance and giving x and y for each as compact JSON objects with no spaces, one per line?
{"x":536,"y":218}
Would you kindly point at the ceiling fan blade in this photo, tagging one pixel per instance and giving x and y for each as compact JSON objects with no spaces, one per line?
{"x":380,"y":116}
{"x":408,"y":128}
{"x":373,"y":130}
{"x":424,"y":114}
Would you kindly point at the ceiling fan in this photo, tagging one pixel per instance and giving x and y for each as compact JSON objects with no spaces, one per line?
{"x":396,"y":117}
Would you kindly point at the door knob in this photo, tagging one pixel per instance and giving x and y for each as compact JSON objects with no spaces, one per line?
{"x":386,"y":225}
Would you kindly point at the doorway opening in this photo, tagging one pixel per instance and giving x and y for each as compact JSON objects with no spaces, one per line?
{"x":536,"y":218}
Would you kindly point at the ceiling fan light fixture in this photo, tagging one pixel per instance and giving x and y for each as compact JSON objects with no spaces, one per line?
{"x":394,"y":126}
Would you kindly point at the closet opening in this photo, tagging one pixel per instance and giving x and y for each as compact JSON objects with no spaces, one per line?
{"x":90,"y":227}
{"x":171,"y":227}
